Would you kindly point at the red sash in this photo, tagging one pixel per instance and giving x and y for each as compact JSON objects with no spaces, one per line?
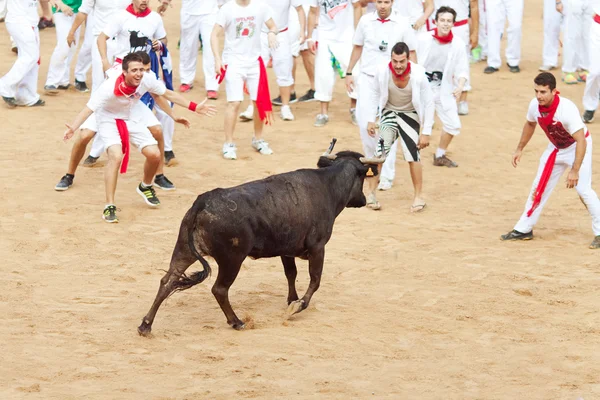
{"x":597,"y":18}
{"x":263,"y":98}
{"x":122,"y":89}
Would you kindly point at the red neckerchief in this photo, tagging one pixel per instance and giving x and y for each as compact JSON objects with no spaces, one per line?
{"x":402,"y":75}
{"x":444,"y":39}
{"x":263,"y":98}
{"x":139,"y":15}
{"x":597,"y":18}
{"x":544,"y":122}
{"x":122,"y":89}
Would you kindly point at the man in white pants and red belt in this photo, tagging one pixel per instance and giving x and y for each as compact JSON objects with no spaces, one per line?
{"x":445,"y":61}
{"x":404,"y":104}
{"x":336,"y":20}
{"x":282,"y":56}
{"x":570,"y":148}
{"x":374,"y":37}
{"x":19,"y":86}
{"x":241,"y":63}
{"x":498,"y":11}
{"x":197,"y":18}
{"x":592,"y":84}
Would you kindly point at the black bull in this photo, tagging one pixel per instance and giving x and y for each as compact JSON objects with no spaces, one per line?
{"x":287,"y":215}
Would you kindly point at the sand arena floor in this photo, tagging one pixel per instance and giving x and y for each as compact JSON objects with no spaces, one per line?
{"x":435,"y":308}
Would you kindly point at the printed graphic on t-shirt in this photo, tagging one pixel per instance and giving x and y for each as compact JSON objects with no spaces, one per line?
{"x":244,"y":27}
{"x":558,"y":135}
{"x":139,"y":43}
{"x":333,"y":7}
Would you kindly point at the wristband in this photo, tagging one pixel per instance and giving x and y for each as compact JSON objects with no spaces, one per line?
{"x":273,"y":32}
{"x":348,"y":73}
{"x":192,"y":106}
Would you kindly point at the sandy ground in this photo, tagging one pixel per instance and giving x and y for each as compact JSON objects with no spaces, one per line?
{"x":424,"y":306}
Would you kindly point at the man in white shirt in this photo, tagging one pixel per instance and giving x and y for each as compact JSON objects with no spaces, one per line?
{"x":592,"y":84}
{"x":404,"y":104}
{"x":114,"y":106}
{"x":282,"y":56}
{"x":417,"y":11}
{"x":336,"y":20}
{"x":241,"y":63}
{"x":375,"y":34}
{"x":19,"y":86}
{"x":444,"y":58}
{"x":498,"y":11}
{"x":570,"y":148}
{"x":197,"y":18}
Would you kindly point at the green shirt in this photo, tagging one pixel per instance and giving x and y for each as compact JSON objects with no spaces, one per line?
{"x":74,"y":4}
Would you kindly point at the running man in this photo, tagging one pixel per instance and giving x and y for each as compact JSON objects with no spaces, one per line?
{"x":402,"y":94}
{"x":570,"y":148}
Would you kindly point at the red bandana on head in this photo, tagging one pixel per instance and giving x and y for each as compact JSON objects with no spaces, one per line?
{"x":402,"y":75}
{"x":139,"y":15}
{"x":122,"y":89}
{"x":443,"y":39}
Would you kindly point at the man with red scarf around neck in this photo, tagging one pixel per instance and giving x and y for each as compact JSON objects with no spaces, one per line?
{"x":112,"y":104}
{"x":570,"y":148}
{"x":402,"y":95}
{"x":240,"y":21}
{"x":444,"y":58}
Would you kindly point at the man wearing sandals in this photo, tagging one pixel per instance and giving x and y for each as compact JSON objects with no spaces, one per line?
{"x":405,"y":102}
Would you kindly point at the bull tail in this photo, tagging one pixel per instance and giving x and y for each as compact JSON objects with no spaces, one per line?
{"x":186,"y":282}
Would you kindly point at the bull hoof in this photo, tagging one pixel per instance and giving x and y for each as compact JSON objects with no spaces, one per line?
{"x":144,"y":329}
{"x":295,"y":307}
{"x":238,"y":326}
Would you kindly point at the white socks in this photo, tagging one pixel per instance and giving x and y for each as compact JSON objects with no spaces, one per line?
{"x":440,"y":152}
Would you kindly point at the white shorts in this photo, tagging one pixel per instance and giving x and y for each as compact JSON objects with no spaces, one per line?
{"x":282,"y":57}
{"x":235,"y":78}
{"x":447,"y":111}
{"x":139,"y":135}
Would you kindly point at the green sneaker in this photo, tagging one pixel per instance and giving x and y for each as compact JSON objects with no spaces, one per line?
{"x":149,"y":195}
{"x":110,"y":214}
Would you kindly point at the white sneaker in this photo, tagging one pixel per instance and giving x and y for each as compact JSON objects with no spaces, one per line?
{"x":546,"y":68}
{"x":463,"y":108}
{"x":248,"y":115}
{"x":229,"y":151}
{"x":384,"y":184}
{"x":286,"y":113}
{"x":353,"y":116}
{"x":261,"y":146}
{"x":321,"y":120}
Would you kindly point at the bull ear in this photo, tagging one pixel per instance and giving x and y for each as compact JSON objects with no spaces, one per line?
{"x":324,"y":162}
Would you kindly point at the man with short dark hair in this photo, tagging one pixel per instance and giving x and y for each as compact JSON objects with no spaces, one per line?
{"x":570,"y":148}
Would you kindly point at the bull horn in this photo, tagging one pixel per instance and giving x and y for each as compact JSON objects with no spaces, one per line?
{"x":366,"y":160}
{"x":330,"y":156}
{"x":330,"y":149}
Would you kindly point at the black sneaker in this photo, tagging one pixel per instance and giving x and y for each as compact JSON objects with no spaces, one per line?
{"x":149,"y":195}
{"x":595,"y":243}
{"x":10,"y":101}
{"x":308,"y":96}
{"x":89,"y":161}
{"x":514,"y":69}
{"x":81,"y":86}
{"x":39,"y":103}
{"x":163,"y":182}
{"x":516,"y":235}
{"x":64,"y":183}
{"x":170,"y":158}
{"x":50,"y":89}
{"x":277,"y":100}
{"x":64,"y":87}
{"x":110,"y":214}
{"x":588,"y":116}
{"x":490,"y":70}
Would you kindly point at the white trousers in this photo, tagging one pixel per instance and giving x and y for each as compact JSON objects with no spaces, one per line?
{"x":498,"y":11}
{"x":483,"y":35}
{"x":283,"y":61}
{"x":364,"y":103}
{"x":59,"y":71}
{"x":3,"y":8}
{"x":84,"y":58}
{"x":578,"y":20}
{"x":97,"y":69}
{"x":325,"y":73}
{"x":168,"y":127}
{"x":592,"y":84}
{"x":552,"y":22}
{"x":463,"y":33}
{"x":191,"y":27}
{"x":21,"y":81}
{"x":564,"y":161}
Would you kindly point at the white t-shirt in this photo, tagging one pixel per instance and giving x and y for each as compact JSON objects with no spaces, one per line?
{"x":199,"y":7}
{"x":108,"y":107}
{"x":23,"y":11}
{"x":411,"y":9}
{"x":566,"y":122}
{"x":133,"y":33}
{"x":242,"y":27}
{"x":281,"y":12}
{"x":104,"y":10}
{"x":336,"y":19}
{"x":460,"y":6}
{"x":378,"y":38}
